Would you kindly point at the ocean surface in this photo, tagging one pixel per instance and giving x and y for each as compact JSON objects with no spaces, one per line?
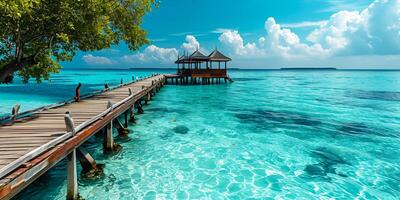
{"x":269,"y":135}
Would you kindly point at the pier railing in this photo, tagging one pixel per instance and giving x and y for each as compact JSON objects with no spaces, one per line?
{"x":67,"y":135}
{"x":28,"y":113}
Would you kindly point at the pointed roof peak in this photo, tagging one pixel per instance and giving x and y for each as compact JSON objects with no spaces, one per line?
{"x":218,"y":56}
{"x":198,"y":55}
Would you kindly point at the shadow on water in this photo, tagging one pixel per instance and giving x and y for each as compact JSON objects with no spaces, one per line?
{"x":362,"y":129}
{"x":167,"y":110}
{"x":328,"y":160}
{"x":268,"y":118}
{"x":374,"y":95}
{"x":180,"y":129}
{"x":247,"y":79}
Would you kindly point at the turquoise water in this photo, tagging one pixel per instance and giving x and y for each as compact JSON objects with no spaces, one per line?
{"x":61,"y":87}
{"x":269,"y":135}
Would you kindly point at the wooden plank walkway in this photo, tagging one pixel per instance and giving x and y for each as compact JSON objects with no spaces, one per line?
{"x":19,"y":166}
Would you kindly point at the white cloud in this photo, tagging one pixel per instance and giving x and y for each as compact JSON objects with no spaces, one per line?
{"x":234,"y":40}
{"x":191,"y":44}
{"x":97,"y":60}
{"x":277,"y":42}
{"x":373,"y":31}
{"x":305,"y":24}
{"x":153,"y":53}
{"x":283,"y":42}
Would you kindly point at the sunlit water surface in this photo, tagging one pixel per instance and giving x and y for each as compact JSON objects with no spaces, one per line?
{"x":270,"y":134}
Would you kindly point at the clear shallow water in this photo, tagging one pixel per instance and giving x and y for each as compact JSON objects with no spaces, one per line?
{"x":271,"y":134}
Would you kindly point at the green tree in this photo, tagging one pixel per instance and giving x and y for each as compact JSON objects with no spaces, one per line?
{"x":35,"y":35}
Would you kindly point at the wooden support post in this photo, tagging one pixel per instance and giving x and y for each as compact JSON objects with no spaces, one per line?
{"x":121,"y":129}
{"x":78,"y":92}
{"x":90,"y":169}
{"x":108,"y":136}
{"x":72,"y":177}
{"x":126,"y":119}
{"x":140,"y":109}
{"x":132,"y":114}
{"x":87,"y":161}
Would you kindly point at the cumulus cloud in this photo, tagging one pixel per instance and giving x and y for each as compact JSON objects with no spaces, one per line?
{"x":277,"y":42}
{"x":97,"y":60}
{"x":234,"y":40}
{"x":374,"y":30}
{"x":191,"y":44}
{"x":153,"y":53}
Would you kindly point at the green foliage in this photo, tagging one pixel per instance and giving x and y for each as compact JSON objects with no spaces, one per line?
{"x":54,"y":30}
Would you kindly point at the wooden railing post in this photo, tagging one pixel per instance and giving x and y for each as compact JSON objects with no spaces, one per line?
{"x":72,"y":177}
{"x":14,"y":112}
{"x":78,"y":92}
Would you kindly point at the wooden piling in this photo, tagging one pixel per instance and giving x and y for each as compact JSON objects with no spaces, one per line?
{"x":108,"y":136}
{"x":72,"y":177}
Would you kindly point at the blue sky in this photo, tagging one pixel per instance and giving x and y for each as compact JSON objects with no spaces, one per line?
{"x":265,"y":34}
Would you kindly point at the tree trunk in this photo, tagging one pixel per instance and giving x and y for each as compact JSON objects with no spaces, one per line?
{"x":8,"y":70}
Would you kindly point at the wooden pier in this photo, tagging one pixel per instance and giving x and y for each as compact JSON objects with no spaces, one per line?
{"x":31,"y":145}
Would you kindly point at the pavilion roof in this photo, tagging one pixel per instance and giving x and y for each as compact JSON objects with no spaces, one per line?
{"x":182,"y":59}
{"x":218,"y":56}
{"x":198,"y":56}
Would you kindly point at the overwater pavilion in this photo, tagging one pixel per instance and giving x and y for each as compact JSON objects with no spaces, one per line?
{"x":200,"y":69}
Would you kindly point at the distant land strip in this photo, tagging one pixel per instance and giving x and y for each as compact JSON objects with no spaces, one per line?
{"x":308,"y":68}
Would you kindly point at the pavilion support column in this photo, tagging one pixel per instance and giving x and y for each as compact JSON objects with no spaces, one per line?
{"x":72,"y":176}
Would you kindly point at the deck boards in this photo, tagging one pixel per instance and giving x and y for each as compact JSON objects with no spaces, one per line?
{"x":22,"y":137}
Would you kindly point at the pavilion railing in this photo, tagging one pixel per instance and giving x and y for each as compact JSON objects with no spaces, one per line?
{"x":209,"y":72}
